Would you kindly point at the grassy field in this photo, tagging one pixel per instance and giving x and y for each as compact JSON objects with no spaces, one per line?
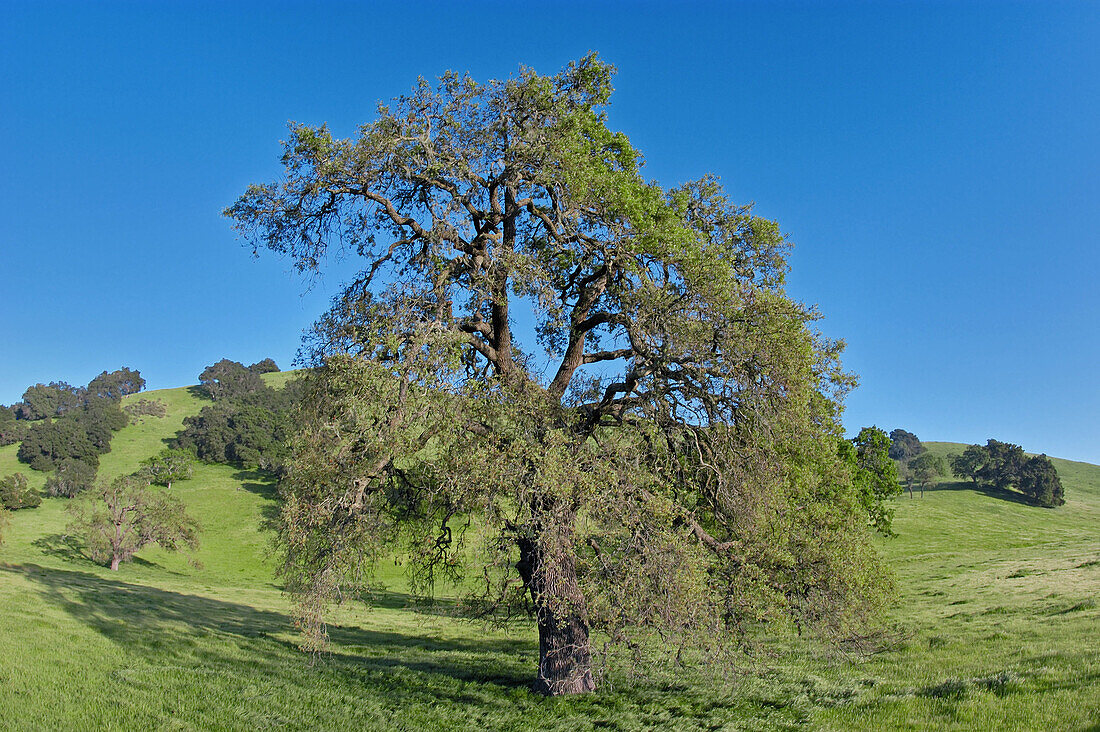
{"x":997,"y":627}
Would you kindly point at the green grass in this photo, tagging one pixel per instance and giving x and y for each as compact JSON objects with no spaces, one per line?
{"x":996,"y":628}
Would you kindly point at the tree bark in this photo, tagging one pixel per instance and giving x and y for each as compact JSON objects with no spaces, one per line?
{"x":115,"y":560}
{"x":565,"y":656}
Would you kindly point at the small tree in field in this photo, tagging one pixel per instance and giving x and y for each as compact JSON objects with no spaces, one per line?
{"x":168,"y":466}
{"x":651,"y":456}
{"x":119,"y":518}
{"x":924,"y":469}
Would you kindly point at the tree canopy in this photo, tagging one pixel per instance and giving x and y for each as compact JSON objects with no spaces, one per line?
{"x":904,"y":445}
{"x":116,"y":384}
{"x":648,"y":449}
{"x":229,"y":380}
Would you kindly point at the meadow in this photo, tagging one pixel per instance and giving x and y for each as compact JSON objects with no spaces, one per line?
{"x":997,"y":626}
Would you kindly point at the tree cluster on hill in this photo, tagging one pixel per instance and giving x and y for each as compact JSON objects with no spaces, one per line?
{"x":74,"y":422}
{"x":249,"y":423}
{"x":668,"y":470}
{"x":1006,"y":466}
{"x":12,"y":429}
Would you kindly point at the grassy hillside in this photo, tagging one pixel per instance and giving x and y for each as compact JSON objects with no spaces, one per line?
{"x":996,"y":628}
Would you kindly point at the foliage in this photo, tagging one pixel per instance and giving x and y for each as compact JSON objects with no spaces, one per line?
{"x":904,"y":445}
{"x":874,"y":475}
{"x":116,"y":384}
{"x":1039,"y":481}
{"x":1003,"y":465}
{"x":668,"y":469}
{"x":116,"y":519}
{"x":970,"y":463}
{"x":82,"y":433}
{"x":49,"y":442}
{"x":12,"y":430}
{"x":169,"y":466}
{"x":70,"y":478}
{"x":227,"y":379}
{"x":251,"y":429}
{"x":925,"y":468}
{"x":16,"y":493}
{"x":51,"y":400}
{"x":266,"y":366}
{"x":145,"y":407}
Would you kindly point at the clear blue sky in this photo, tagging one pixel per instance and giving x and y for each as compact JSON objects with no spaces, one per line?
{"x":937,"y":166}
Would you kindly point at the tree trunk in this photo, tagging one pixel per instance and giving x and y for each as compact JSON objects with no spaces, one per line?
{"x":565,"y":656}
{"x":115,"y":562}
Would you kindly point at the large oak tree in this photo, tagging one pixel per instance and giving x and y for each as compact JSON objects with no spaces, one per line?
{"x":555,"y":383}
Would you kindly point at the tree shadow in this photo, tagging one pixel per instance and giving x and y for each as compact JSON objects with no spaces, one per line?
{"x":985,"y":489}
{"x":198,"y":392}
{"x":266,"y":486}
{"x":165,"y":626}
{"x":71,"y":549}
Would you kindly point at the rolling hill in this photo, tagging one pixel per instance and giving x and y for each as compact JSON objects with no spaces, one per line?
{"x":995,"y":628}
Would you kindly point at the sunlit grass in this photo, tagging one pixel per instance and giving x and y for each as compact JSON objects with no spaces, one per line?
{"x":996,"y":628}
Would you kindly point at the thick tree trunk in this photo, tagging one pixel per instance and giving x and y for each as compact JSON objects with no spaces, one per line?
{"x":115,"y":562}
{"x":565,"y":656}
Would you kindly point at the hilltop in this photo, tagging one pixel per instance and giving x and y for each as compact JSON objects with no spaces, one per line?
{"x":995,"y":628}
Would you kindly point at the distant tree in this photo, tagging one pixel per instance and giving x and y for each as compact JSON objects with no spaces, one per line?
{"x":875,"y":475}
{"x":70,"y":478}
{"x":1004,"y":464}
{"x":48,"y":443}
{"x":51,"y":400}
{"x":252,"y":431}
{"x":119,"y":518}
{"x":12,"y":430}
{"x":229,"y":380}
{"x":16,"y":493}
{"x":1039,"y":481}
{"x":904,"y":445}
{"x":169,"y":466}
{"x":116,"y":384}
{"x":970,"y":463}
{"x":209,"y":433}
{"x":267,"y":366}
{"x":925,"y":468}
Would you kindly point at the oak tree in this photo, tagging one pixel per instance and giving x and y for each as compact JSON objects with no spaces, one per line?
{"x":117,"y":519}
{"x":553,"y":382}
{"x":168,"y":466}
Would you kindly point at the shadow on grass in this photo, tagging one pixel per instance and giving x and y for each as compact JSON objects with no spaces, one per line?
{"x":164,"y":626}
{"x":71,"y":549}
{"x":266,"y":486}
{"x":987,"y":490}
